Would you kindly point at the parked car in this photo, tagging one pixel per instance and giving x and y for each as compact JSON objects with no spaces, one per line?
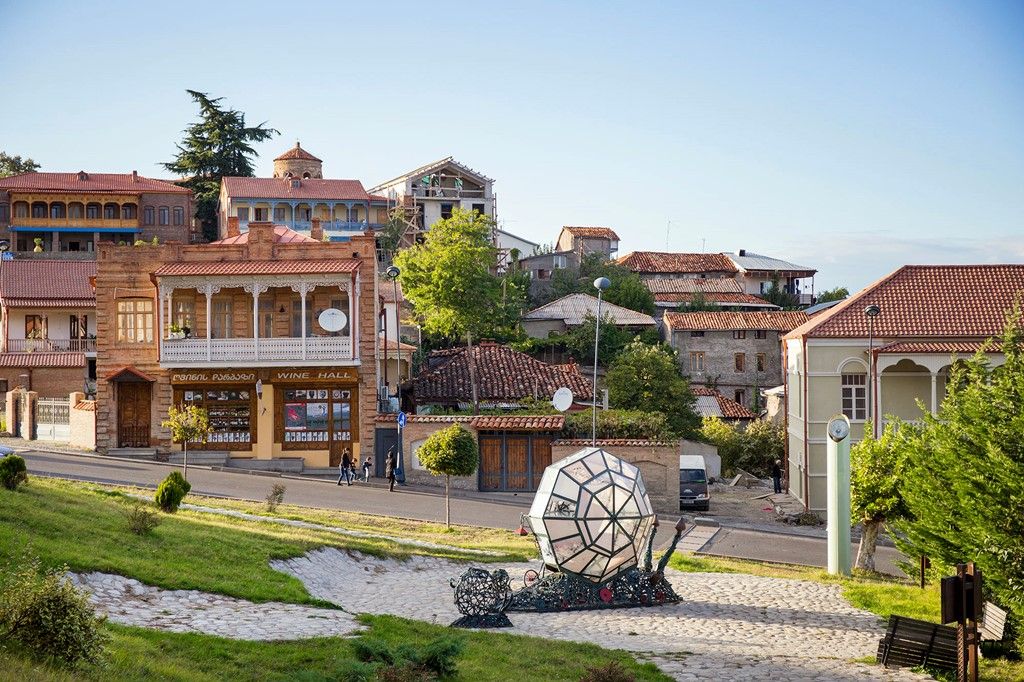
{"x":693,"y":483}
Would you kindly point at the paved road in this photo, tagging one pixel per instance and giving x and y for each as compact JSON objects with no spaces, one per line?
{"x":499,"y":512}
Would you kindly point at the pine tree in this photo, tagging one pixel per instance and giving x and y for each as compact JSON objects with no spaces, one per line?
{"x":218,"y":145}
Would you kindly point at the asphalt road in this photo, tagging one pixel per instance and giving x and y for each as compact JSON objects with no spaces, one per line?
{"x":372,"y":499}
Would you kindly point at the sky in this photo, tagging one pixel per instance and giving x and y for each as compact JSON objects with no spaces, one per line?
{"x":849,"y":137}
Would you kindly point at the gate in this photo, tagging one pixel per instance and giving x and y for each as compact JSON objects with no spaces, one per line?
{"x":513,"y":461}
{"x":53,"y":419}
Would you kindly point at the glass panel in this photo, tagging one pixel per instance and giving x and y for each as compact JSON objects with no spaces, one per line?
{"x":561,"y":528}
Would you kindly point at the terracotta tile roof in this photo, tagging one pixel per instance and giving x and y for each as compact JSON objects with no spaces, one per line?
{"x":425,"y":418}
{"x":717,"y":299}
{"x":724,"y":407}
{"x":282,"y":235}
{"x":377,"y":198}
{"x":943,"y":347}
{"x":503,"y":374}
{"x":309,"y":188}
{"x":297,"y":152}
{"x":386,"y":289}
{"x":42,"y":359}
{"x":772,"y":320}
{"x":392,"y":344}
{"x":574,"y":309}
{"x":86,"y":405}
{"x":93,"y":183}
{"x":430,"y":168}
{"x":926,"y":300}
{"x":257,"y":267}
{"x":692,"y":285}
{"x":660,"y":262}
{"x":612,"y":442}
{"x":582,"y":231}
{"x":47,"y":283}
{"x":519,"y":423}
{"x":129,"y":372}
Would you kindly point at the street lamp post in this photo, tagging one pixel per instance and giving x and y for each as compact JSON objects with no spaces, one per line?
{"x":871,"y":312}
{"x":601,"y":283}
{"x":393,"y":272}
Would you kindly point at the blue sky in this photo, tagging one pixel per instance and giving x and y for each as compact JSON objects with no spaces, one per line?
{"x":851,"y":137}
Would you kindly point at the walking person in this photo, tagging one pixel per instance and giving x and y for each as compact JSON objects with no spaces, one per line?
{"x":777,"y":476}
{"x":346,"y":467}
{"x":389,"y":470}
{"x":366,"y":469}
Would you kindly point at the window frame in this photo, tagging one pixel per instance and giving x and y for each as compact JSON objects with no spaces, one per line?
{"x":739,"y":334}
{"x":762,"y":362}
{"x":739,"y":362}
{"x":853,"y":395}
{"x":134,"y":310}
{"x":696,"y":361}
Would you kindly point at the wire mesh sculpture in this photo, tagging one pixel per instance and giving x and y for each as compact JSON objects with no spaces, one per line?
{"x":482,"y":597}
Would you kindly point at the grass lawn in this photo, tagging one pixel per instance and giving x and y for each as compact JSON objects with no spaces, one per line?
{"x":83,"y":526}
{"x":143,"y":655}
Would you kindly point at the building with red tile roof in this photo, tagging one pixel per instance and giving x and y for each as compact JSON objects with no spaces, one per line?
{"x":65,"y":215}
{"x":658,"y":264}
{"x":711,"y":403}
{"x":48,"y":323}
{"x":670,"y":294}
{"x":870,"y":367}
{"x":583,"y":240}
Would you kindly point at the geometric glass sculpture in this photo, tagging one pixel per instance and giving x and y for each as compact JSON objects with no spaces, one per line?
{"x":591,"y":515}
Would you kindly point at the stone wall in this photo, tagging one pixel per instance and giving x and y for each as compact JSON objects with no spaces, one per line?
{"x":720,"y":348}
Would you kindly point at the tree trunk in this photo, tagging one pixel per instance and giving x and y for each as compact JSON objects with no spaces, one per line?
{"x":447,"y":502}
{"x":184,"y":461}
{"x":868,"y":542}
{"x":471,"y":363}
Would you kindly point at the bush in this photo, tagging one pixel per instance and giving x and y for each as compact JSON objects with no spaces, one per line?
{"x":141,"y":518}
{"x":13,"y":472}
{"x":275,"y":496}
{"x":408,"y":662}
{"x":172,"y":491}
{"x":47,"y":615}
{"x":610,"y":672}
{"x":618,"y":424}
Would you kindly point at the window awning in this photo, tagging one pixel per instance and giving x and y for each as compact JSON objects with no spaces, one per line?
{"x":84,"y":230}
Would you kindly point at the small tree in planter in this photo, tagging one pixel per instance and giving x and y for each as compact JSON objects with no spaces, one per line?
{"x":449,"y":452}
{"x":188,"y":424}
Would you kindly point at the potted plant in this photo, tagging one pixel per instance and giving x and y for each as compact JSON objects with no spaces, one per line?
{"x":34,"y":339}
{"x":175,"y":332}
{"x":39,"y":245}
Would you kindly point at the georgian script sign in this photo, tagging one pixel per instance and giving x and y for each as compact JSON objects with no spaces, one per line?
{"x":312,"y":374}
{"x":214,"y":377}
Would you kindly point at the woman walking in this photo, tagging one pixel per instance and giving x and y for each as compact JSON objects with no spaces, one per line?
{"x":346,"y":467}
{"x":389,"y":471}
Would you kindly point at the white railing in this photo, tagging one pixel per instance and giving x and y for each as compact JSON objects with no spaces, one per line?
{"x":249,"y":351}
{"x":51,"y":345}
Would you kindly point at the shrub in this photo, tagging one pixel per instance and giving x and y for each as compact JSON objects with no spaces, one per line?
{"x":618,"y":424}
{"x":13,"y":472}
{"x":141,"y":518}
{"x":612,"y":671}
{"x":275,"y":496}
{"x":45,"y":613}
{"x":408,"y":662}
{"x":752,"y":449}
{"x":172,"y":491}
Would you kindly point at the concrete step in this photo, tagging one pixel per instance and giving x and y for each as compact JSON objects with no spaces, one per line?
{"x":133,"y":453}
{"x":200,"y":457}
{"x":289,"y":465}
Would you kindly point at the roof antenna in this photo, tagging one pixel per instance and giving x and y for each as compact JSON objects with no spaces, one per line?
{"x":703,"y":244}
{"x":667,"y":230}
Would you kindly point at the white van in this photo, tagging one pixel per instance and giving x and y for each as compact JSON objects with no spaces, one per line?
{"x":693,"y":483}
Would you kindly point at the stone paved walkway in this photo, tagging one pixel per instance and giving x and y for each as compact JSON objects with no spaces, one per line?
{"x":728,"y":626}
{"x":130,"y":602}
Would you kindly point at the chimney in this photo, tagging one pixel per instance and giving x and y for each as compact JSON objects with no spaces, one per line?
{"x":317,"y":230}
{"x":742,"y":252}
{"x":261,"y":232}
{"x":135,"y":176}
{"x":233,"y":230}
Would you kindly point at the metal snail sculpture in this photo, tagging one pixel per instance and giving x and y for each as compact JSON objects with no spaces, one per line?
{"x":595,"y":530}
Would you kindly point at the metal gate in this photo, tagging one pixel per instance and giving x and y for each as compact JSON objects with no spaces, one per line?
{"x":53,"y":419}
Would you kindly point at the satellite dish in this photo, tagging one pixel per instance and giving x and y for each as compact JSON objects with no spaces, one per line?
{"x":562,"y":399}
{"x":332,"y":320}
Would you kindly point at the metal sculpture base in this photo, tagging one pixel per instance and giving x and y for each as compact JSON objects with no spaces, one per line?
{"x":488,"y":620}
{"x":561,"y":592}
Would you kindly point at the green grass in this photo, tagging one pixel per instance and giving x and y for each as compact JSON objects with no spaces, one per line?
{"x":144,"y":655}
{"x":83,"y":526}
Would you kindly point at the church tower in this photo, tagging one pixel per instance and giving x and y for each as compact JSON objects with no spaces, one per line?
{"x":298,"y":163}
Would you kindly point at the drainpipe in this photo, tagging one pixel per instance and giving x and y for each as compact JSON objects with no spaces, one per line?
{"x":806,"y":413}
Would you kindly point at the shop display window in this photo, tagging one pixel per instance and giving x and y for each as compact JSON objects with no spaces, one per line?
{"x":230,"y":414}
{"x":316,"y":415}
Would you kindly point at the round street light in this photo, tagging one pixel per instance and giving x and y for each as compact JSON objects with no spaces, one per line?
{"x":871,"y":312}
{"x":601,"y":283}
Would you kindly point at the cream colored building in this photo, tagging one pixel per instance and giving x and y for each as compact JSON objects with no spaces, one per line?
{"x":892,"y":364}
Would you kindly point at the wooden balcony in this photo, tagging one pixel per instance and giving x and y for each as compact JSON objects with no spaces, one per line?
{"x":50,"y":346}
{"x":312,"y":350}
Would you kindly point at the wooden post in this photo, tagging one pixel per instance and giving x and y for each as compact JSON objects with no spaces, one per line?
{"x":967,"y":625}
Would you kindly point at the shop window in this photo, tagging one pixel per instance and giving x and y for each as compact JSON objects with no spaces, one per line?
{"x":696,"y":361}
{"x":135,"y":320}
{"x":220,"y":319}
{"x":854,"y":394}
{"x":317,"y":415}
{"x":229,"y":412}
{"x":740,"y":360}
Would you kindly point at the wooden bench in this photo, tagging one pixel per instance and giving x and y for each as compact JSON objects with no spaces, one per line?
{"x":909,"y":643}
{"x":993,"y":622}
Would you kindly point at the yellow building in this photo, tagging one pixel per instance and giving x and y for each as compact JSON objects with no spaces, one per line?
{"x":886,"y":351}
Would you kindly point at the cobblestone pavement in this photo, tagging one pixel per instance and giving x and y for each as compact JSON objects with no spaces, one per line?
{"x":728,"y":626}
{"x":130,"y":602}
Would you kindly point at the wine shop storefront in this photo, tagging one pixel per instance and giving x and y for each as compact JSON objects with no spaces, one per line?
{"x":270,"y":413}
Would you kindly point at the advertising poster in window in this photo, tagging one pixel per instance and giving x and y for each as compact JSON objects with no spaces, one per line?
{"x":295,"y":416}
{"x":316,"y":416}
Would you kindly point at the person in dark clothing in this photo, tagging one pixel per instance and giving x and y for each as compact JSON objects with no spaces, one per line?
{"x":346,"y":467}
{"x":389,"y":470}
{"x":367,"y":465}
{"x":777,"y":475}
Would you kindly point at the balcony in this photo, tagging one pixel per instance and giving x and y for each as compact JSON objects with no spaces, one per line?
{"x":446,"y":193}
{"x":84,"y":224}
{"x":51,"y":346}
{"x":328,"y":225}
{"x":244,"y":352}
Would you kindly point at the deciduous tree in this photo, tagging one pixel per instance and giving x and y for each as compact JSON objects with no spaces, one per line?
{"x":647,"y":378}
{"x":449,"y":452}
{"x":188,"y":424}
{"x":877,"y":472}
{"x":837,"y":294}
{"x":218,"y":145}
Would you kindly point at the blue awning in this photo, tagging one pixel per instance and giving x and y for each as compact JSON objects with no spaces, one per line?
{"x":84,"y":230}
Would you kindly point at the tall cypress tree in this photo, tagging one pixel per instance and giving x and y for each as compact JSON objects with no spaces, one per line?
{"x":217,"y":145}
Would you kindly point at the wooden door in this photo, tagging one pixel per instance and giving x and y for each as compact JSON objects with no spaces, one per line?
{"x":517,"y":470}
{"x":490,"y":462}
{"x":133,"y":414}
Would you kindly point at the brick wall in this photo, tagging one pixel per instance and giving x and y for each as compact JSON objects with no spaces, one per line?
{"x":48,"y":382}
{"x":170,"y":232}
